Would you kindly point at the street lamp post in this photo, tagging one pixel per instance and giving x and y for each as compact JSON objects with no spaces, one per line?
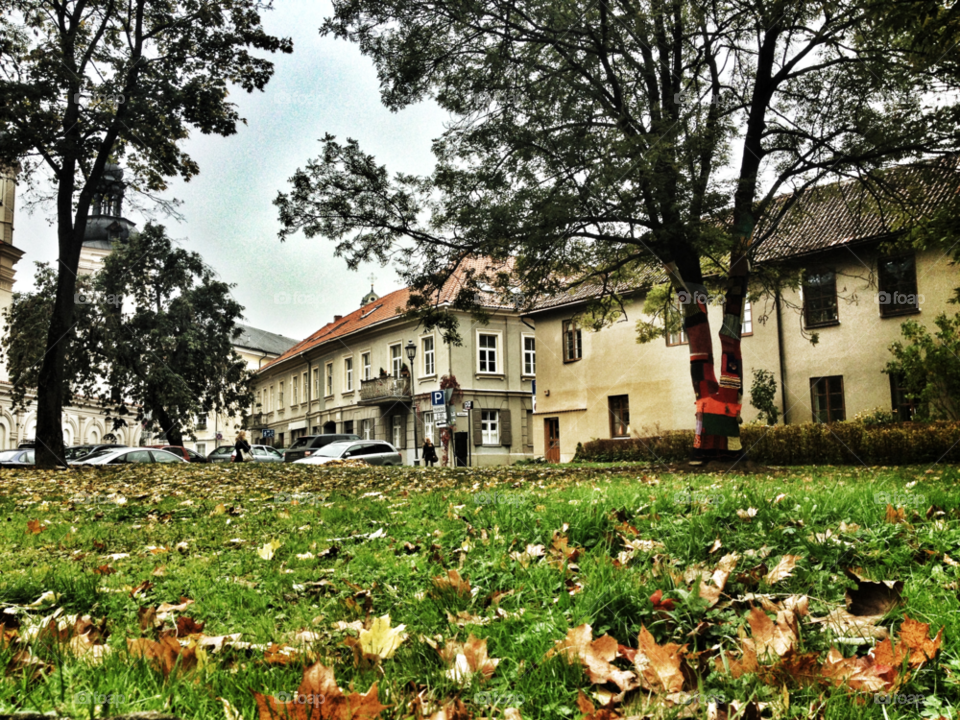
{"x":411,"y":349}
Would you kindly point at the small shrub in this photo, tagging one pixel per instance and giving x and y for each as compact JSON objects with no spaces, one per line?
{"x":763,"y":396}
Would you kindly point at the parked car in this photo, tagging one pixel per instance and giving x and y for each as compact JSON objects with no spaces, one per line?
{"x":21,"y":457}
{"x":130,"y":455}
{"x":262,"y":453}
{"x":82,"y":452}
{"x":224,"y":453}
{"x":309,"y":444}
{"x":186,"y":453}
{"x":372,"y":452}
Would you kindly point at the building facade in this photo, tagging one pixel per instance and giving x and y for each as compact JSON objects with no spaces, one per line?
{"x":354,"y":376}
{"x":853,"y":294}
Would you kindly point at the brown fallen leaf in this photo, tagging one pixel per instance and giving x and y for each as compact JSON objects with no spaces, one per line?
{"x":771,"y":637}
{"x":595,"y":655}
{"x":711,"y":593}
{"x":320,"y":698}
{"x":452,"y":582}
{"x":34,"y":527}
{"x":590,"y":712}
{"x":164,"y":655}
{"x":895,"y":515}
{"x":658,"y":666}
{"x":782,"y":569}
{"x":464,"y":660}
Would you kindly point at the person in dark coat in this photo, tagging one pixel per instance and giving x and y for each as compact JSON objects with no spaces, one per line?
{"x":241,"y":445}
{"x":429,"y":453}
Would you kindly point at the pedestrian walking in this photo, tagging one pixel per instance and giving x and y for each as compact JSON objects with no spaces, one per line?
{"x":242,"y":449}
{"x":429,"y":453}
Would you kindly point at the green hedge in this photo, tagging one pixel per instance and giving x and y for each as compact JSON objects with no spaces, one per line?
{"x":842,"y":443}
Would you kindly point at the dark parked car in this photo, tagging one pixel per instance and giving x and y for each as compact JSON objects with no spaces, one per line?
{"x":21,"y":457}
{"x":186,"y":453}
{"x":307,"y":445}
{"x":82,"y":452}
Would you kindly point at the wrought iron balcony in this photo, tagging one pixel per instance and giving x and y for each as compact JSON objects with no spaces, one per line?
{"x":384,"y":391}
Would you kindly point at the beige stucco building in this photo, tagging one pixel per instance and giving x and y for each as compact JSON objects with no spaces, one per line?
{"x":351,"y":376}
{"x":853,"y":294}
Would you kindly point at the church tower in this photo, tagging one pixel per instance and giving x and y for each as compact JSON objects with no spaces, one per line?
{"x":106,"y":224}
{"x":370,"y":296}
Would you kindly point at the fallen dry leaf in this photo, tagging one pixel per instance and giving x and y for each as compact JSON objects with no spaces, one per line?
{"x":595,"y":655}
{"x":381,"y":639}
{"x":659,"y":667}
{"x":320,"y":698}
{"x":782,"y":569}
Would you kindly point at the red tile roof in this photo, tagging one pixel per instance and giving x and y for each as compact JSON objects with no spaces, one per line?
{"x":392,"y":305}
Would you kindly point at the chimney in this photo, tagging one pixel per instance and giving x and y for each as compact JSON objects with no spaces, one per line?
{"x":337,"y":318}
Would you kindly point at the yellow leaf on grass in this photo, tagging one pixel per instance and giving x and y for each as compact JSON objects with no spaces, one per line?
{"x":381,"y":639}
{"x":266,"y":552}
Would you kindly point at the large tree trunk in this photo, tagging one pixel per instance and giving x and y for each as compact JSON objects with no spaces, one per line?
{"x":718,"y":403}
{"x":170,"y":428}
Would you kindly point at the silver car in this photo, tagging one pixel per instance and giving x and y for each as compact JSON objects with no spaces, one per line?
{"x":124,"y":456}
{"x":372,"y":452}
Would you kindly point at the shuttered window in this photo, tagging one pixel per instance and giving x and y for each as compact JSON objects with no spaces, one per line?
{"x":491,"y":427}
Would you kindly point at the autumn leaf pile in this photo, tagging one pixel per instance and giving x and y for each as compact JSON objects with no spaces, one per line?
{"x":340,"y":593}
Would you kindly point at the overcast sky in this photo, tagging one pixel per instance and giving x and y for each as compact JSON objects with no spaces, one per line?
{"x":324,"y":86}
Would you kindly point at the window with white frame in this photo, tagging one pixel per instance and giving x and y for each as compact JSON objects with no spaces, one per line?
{"x":202,"y":449}
{"x":487,"y":353}
{"x":490,"y":427}
{"x":329,"y":378}
{"x":429,"y":357}
{"x":295,"y":390}
{"x":529,"y":355}
{"x":395,"y":360}
{"x":428,"y":425}
{"x":397,"y":431}
{"x":273,"y":398}
{"x":280,"y":397}
{"x":747,"y":327}
{"x":316,"y":383}
{"x":366,"y":429}
{"x":348,"y":374}
{"x":305,"y":391}
{"x":365,"y":361}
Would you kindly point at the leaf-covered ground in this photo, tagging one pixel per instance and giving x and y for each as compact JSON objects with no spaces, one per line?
{"x":226,"y":591}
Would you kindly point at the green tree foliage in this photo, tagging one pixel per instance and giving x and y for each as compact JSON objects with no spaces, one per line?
{"x":928,"y":365}
{"x":81,"y":80}
{"x":589,"y":141}
{"x":763,"y":395}
{"x":154,"y":336}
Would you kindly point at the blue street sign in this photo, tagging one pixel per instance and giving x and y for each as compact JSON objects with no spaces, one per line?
{"x":437,"y":398}
{"x":268,"y":433}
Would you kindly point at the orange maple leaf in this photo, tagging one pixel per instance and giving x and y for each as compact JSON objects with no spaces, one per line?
{"x":595,"y":655}
{"x":659,"y":665}
{"x":320,"y":698}
{"x":164,"y":654}
{"x":34,"y":527}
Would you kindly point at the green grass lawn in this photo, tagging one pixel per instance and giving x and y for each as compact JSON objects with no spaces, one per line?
{"x":301,"y":561}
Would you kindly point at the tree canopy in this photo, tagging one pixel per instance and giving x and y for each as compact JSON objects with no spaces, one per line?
{"x":587,"y":138}
{"x":153,"y":339}
{"x":82,"y":81}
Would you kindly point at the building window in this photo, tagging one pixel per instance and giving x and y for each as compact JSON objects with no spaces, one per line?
{"x":280,"y":397}
{"x":398,"y":431}
{"x":348,"y":427}
{"x":365,"y":361}
{"x":572,"y":341}
{"x":490,"y":427}
{"x":202,"y":449}
{"x":827,"y":398}
{"x":316,"y":382}
{"x":395,"y":360}
{"x":897,"y":285}
{"x":619,"y":415}
{"x":429,"y":357}
{"x":273,"y":398}
{"x":294,"y":383}
{"x":747,"y":327}
{"x":428,"y":425}
{"x":348,"y":374}
{"x":820,"y":298}
{"x":306,"y":390}
{"x":529,"y":355}
{"x":329,"y":379}
{"x":366,"y":429}
{"x":903,"y":407}
{"x":678,"y":336}
{"x":202,"y":422}
{"x":487,"y":353}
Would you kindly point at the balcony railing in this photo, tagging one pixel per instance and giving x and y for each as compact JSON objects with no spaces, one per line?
{"x":382,"y":391}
